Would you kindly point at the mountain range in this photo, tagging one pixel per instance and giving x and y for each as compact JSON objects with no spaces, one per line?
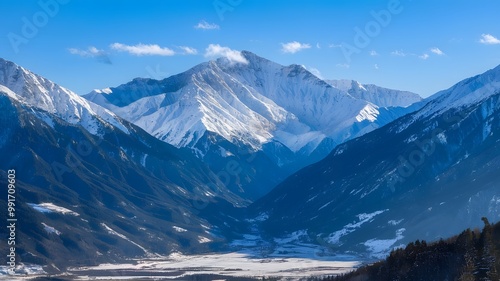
{"x":282,"y":116}
{"x":228,"y":151}
{"x":92,"y":187}
{"x":437,"y":166}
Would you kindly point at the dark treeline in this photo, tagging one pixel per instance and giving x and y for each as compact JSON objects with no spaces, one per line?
{"x":472,"y":255}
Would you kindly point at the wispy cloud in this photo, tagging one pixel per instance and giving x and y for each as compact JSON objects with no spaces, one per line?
{"x":318,"y":46}
{"x":489,"y":39}
{"x":188,"y":50}
{"x":373,"y":53}
{"x":206,"y":26}
{"x":399,"y":53}
{"x":343,"y":65}
{"x":376,"y":67}
{"x":143,"y":49}
{"x":293,"y":47}
{"x":216,"y":50}
{"x":91,"y":52}
{"x":424,"y":56}
{"x":335,"y":46}
{"x":315,"y":71}
{"x":437,"y":51}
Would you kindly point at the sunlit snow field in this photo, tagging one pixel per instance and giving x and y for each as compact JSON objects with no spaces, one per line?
{"x":235,"y":264}
{"x":230,"y":264}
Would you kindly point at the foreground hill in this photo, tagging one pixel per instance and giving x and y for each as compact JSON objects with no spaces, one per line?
{"x":472,"y":255}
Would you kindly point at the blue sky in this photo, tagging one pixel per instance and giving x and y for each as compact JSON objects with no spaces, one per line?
{"x":421,"y":46}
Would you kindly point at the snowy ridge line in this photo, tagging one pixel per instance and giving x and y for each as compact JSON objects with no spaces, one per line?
{"x":38,"y":92}
{"x":255,"y":103}
{"x":379,"y":96}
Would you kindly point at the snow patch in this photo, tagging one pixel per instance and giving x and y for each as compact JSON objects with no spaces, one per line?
{"x":334,"y":238}
{"x":179,"y":229}
{"x":311,"y":199}
{"x":486,"y":130}
{"x":9,"y":93}
{"x":225,"y":153}
{"x":113,"y":232}
{"x":50,"y":229}
{"x":49,"y":208}
{"x":324,"y":205}
{"x":143,"y":160}
{"x":395,"y":222}
{"x":380,"y":248}
{"x":411,"y":139}
{"x":45,"y":118}
{"x":441,"y":138}
{"x":261,"y":217}
{"x":369,"y":113}
{"x":202,"y":240}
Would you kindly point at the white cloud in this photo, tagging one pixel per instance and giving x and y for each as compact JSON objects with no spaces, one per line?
{"x":335,"y":46}
{"x":316,"y":72}
{"x":91,"y":52}
{"x":216,"y":50}
{"x":424,"y":56}
{"x":188,"y":50}
{"x":343,"y":65}
{"x":399,"y":53}
{"x":376,"y":67}
{"x":437,"y":51}
{"x":206,"y":26}
{"x":489,"y":39}
{"x":293,"y":47}
{"x":373,"y":53}
{"x":143,"y":49}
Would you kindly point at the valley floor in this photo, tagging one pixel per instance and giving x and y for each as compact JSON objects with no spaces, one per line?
{"x":229,"y":265}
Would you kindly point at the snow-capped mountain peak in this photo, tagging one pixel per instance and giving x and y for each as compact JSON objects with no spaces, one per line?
{"x":285,"y":112}
{"x":44,"y":94}
{"x":254,"y":103}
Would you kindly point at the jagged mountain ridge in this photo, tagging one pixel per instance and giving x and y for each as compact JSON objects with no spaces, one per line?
{"x":253,"y":102}
{"x":285,"y":114}
{"x":41,"y":93}
{"x":379,"y":96}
